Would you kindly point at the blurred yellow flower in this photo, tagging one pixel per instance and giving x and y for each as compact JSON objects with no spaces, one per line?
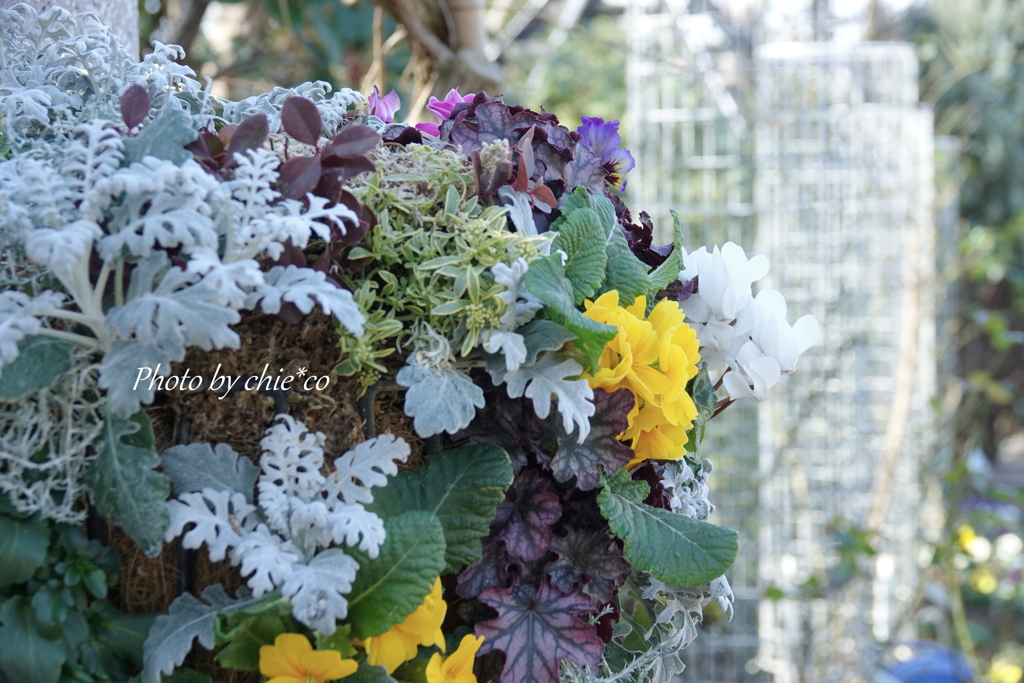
{"x":654,"y":358}
{"x":291,"y":659}
{"x":401,"y":643}
{"x":1000,"y":671}
{"x":983,"y":581}
{"x":457,"y":668}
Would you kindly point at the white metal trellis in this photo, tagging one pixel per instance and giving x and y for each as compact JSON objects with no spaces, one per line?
{"x":834,"y":185}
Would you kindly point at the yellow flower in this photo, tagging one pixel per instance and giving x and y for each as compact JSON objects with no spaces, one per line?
{"x":291,"y":659}
{"x":458,"y":668}
{"x":654,"y":358}
{"x":401,"y":643}
{"x":1001,"y":671}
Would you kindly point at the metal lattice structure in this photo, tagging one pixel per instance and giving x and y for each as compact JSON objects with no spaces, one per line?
{"x":832,"y":180}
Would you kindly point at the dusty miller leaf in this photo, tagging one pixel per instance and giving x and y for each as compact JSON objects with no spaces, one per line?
{"x":120,"y":374}
{"x":197,"y":466}
{"x":391,"y":586}
{"x":439,"y":399}
{"x":462,"y":487}
{"x":125,"y":488}
{"x":601,"y":449}
{"x":40,"y":361}
{"x":672,"y":547}
{"x":164,"y":137}
{"x":188,"y":619}
{"x":536,"y":628}
{"x":547,"y":379}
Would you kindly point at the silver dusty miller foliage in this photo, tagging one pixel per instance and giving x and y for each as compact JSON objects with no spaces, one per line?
{"x":77,"y":213}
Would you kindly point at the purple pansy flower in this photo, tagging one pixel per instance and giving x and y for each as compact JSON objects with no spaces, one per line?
{"x":442,"y":109}
{"x":383,"y":108}
{"x":602,"y":137}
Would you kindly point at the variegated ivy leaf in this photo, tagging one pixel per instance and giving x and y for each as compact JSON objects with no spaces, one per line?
{"x":548,"y":379}
{"x":439,"y":399}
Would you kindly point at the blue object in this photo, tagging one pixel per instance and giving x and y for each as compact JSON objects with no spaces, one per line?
{"x":932,"y":663}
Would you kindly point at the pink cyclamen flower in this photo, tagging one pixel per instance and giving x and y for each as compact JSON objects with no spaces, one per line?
{"x":442,"y":109}
{"x":383,"y":108}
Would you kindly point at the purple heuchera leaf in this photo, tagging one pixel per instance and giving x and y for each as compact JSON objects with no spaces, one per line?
{"x":134,"y":105}
{"x":652,"y":472}
{"x":249,"y":134}
{"x":602,"y":448}
{"x":301,"y":119}
{"x":383,"y":108}
{"x":536,"y":628}
{"x":590,"y":560}
{"x":640,"y":237}
{"x":525,"y":517}
{"x":490,"y":571}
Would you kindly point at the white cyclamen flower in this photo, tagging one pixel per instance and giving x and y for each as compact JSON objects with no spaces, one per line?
{"x":775,"y":337}
{"x":723,"y":287}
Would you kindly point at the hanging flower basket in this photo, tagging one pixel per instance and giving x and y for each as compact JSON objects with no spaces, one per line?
{"x":289,"y":389}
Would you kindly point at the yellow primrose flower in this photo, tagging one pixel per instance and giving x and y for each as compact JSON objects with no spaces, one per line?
{"x":401,"y":643}
{"x":291,"y":659}
{"x":653,"y":357}
{"x":458,"y":668}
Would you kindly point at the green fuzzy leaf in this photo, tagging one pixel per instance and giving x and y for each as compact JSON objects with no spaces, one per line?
{"x":546,"y":281}
{"x":581,"y":237}
{"x":123,"y":634}
{"x":340,"y":640}
{"x":164,"y":138}
{"x":462,"y":487}
{"x":40,"y":361}
{"x":22,"y":548}
{"x":624,"y":272}
{"x":672,"y":547}
{"x":125,"y":488}
{"x":706,"y":399}
{"x":391,"y":586}
{"x":668,"y":272}
{"x":242,"y":642}
{"x":25,"y":656}
{"x":370,"y":674}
